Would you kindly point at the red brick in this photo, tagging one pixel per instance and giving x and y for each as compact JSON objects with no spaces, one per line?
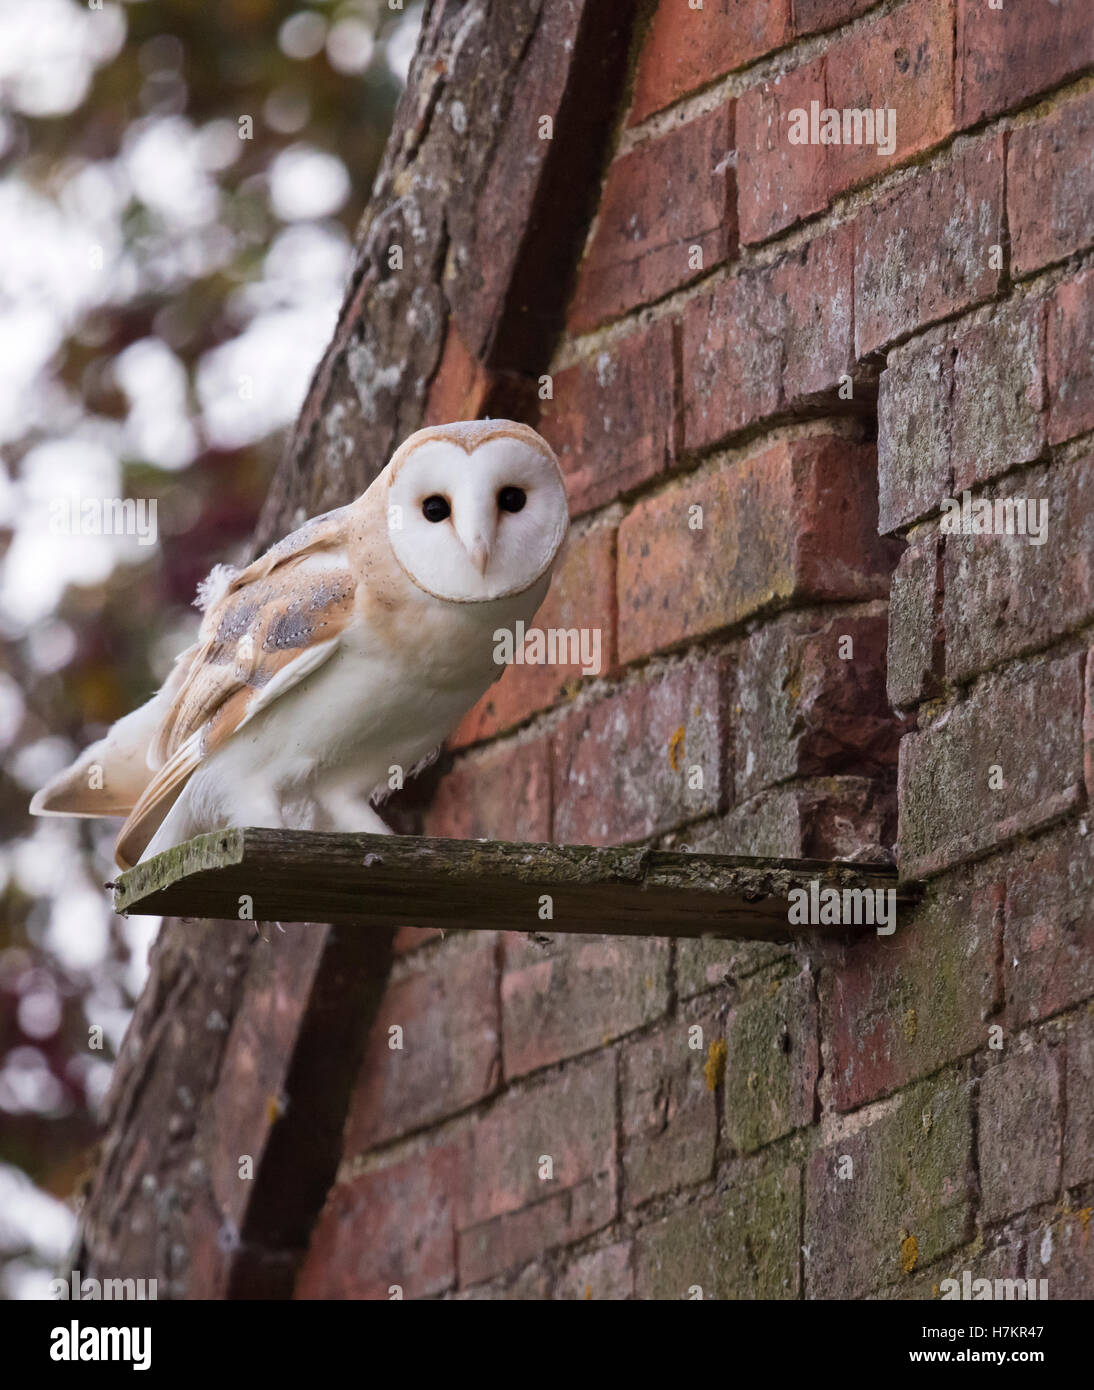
{"x":460,"y":384}
{"x":576,"y":994}
{"x":408,"y":939}
{"x":660,"y":200}
{"x":1078,"y":1148}
{"x":915,"y":655}
{"x":773,"y":1061}
{"x":1088,"y":725}
{"x":532,"y":1284}
{"x":505,"y":1213}
{"x":570,"y":1117}
{"x":1050,"y":186}
{"x":612,"y":421}
{"x":1060,"y":1250}
{"x":795,"y":521}
{"x":915,"y":427}
{"x":1056,"y":1249}
{"x":732,"y":357}
{"x":605,"y":1274}
{"x":1020,"y":1132}
{"x":769,"y":339}
{"x":922,"y":251}
{"x":504,"y":1243}
{"x":1028,"y":722}
{"x":582,"y":596}
{"x":448,"y":1012}
{"x":815,"y":284}
{"x":686,"y":48}
{"x":909,"y":1175}
{"x":803,"y":710}
{"x":893,"y":1013}
{"x":360,"y":1245}
{"x":705,"y":963}
{"x":812,"y":16}
{"x":901,"y":61}
{"x":502,"y":793}
{"x":999,"y":394}
{"x":1005,"y":597}
{"x":669,"y":1118}
{"x":623,"y":766}
{"x":778,"y":183}
{"x":1005,"y":56}
{"x":743,"y":1242}
{"x":1049,"y":942}
{"x":824,"y":818}
{"x":1070,"y":360}
{"x":1072,"y":1257}
{"x":960,"y":412}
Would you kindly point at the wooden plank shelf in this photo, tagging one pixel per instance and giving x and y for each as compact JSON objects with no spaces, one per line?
{"x":395,"y":881}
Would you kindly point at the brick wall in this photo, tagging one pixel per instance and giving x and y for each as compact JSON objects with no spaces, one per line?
{"x":816,"y":345}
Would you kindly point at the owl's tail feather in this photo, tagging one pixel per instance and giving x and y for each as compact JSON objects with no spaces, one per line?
{"x":156,"y":800}
{"x":178,"y":824}
{"x":108,"y":778}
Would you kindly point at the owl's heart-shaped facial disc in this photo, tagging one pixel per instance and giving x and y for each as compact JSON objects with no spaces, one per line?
{"x":476,"y":511}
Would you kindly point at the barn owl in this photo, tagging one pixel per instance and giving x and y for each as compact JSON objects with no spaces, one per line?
{"x":353,"y":645}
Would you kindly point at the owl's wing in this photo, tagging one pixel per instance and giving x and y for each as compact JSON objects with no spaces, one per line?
{"x":271,"y":625}
{"x":323,"y":534}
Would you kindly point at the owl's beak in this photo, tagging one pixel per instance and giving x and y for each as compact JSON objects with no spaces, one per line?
{"x":479,"y":542}
{"x":479,"y":555}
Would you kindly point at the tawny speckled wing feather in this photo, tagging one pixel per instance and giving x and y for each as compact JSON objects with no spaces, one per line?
{"x":272,"y":624}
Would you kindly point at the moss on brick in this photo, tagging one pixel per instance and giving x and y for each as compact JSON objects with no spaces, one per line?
{"x":772,"y":1062}
{"x":741,"y":1243}
{"x":906,"y":1175}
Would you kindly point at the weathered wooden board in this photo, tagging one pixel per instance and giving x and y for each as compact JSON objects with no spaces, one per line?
{"x":304,"y":876}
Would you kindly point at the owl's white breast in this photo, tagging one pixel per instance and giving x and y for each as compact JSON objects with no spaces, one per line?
{"x":390,"y":694}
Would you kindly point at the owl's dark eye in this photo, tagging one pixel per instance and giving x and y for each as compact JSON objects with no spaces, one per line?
{"x":511,"y":499}
{"x":436,"y":508}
